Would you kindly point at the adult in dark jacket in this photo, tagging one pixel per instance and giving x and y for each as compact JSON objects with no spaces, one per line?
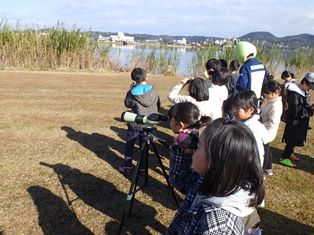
{"x":297,"y":118}
{"x":252,"y":72}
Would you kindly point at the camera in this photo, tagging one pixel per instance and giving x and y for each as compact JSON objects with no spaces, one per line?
{"x":188,"y":140}
{"x":150,"y":120}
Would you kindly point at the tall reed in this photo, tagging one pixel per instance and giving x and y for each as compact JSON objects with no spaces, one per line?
{"x":200,"y":58}
{"x":301,"y":61}
{"x":52,"y":48}
{"x":156,"y":60}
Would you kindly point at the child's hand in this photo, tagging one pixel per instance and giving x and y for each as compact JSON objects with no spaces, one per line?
{"x":132,"y":84}
{"x":186,"y":80}
{"x":188,"y":152}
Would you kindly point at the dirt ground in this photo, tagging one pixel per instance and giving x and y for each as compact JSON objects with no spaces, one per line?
{"x":61,"y":145}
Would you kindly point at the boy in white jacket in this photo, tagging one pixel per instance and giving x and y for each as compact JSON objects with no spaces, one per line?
{"x":244,"y":108}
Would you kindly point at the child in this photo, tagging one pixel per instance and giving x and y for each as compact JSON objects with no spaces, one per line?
{"x":184,"y":122}
{"x":143,"y":99}
{"x":234,"y":71}
{"x":218,"y":92}
{"x":297,"y":118}
{"x":227,"y":158}
{"x":234,"y":67}
{"x":288,"y":78}
{"x":223,"y":63}
{"x":198,"y":94}
{"x":252,"y":72}
{"x":271,"y":110}
{"x":244,"y":108}
{"x":212,"y":65}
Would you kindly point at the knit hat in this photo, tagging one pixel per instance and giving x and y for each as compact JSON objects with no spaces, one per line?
{"x":310,"y":77}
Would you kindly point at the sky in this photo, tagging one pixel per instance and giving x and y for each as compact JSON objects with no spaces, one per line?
{"x":218,"y":18}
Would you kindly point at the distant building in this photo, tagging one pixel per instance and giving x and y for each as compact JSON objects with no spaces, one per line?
{"x":103,"y":39}
{"x":180,"y":42}
{"x":151,"y":40}
{"x":121,"y":38}
{"x":221,"y":43}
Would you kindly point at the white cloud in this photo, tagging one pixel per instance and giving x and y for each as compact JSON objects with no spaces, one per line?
{"x":213,"y":18}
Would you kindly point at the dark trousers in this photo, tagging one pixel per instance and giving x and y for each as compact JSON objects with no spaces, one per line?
{"x":287,"y":151}
{"x":268,"y":158}
{"x":133,"y":133}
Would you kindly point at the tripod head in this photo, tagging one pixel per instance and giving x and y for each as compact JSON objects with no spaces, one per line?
{"x":147,"y":132}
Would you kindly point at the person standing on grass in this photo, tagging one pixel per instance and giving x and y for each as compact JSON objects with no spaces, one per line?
{"x":143,"y":99}
{"x":252,"y":72}
{"x":297,"y":118}
{"x":271,"y":111}
{"x":288,"y":78}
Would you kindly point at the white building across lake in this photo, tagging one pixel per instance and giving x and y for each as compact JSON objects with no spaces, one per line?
{"x":120,"y":37}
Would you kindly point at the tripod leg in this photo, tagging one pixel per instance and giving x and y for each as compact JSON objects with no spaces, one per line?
{"x":132,"y":191}
{"x":146,"y":161}
{"x":165,"y":174}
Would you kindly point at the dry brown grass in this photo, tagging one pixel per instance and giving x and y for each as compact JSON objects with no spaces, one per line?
{"x":61,"y":144}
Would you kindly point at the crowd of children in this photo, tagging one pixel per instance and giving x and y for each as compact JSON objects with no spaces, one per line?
{"x":233,"y":114}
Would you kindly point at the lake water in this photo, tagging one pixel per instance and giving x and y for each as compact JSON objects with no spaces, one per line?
{"x":122,"y":55}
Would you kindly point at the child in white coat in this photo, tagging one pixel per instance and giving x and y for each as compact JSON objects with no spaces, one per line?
{"x":271,"y":111}
{"x":244,"y":107}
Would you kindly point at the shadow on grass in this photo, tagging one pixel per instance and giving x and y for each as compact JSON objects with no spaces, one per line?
{"x":104,"y":197}
{"x":54,"y":215}
{"x":274,"y":223}
{"x":160,"y":134}
{"x":306,"y":163}
{"x":162,"y":150}
{"x":101,"y":145}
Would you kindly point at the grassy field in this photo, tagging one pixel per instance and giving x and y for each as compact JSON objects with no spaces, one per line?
{"x":61,"y":144}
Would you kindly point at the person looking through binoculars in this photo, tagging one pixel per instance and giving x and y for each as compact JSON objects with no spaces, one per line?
{"x":142,"y":99}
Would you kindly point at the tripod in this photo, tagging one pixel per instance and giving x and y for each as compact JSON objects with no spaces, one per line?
{"x":147,"y":142}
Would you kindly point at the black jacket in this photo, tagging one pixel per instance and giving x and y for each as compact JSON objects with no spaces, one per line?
{"x":297,"y":119}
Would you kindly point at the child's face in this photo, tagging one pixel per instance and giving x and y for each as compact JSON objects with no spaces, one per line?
{"x":305,"y":87}
{"x":200,"y":160}
{"x":271,"y":95}
{"x":288,"y":79}
{"x":175,"y":126}
{"x":240,"y":114}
